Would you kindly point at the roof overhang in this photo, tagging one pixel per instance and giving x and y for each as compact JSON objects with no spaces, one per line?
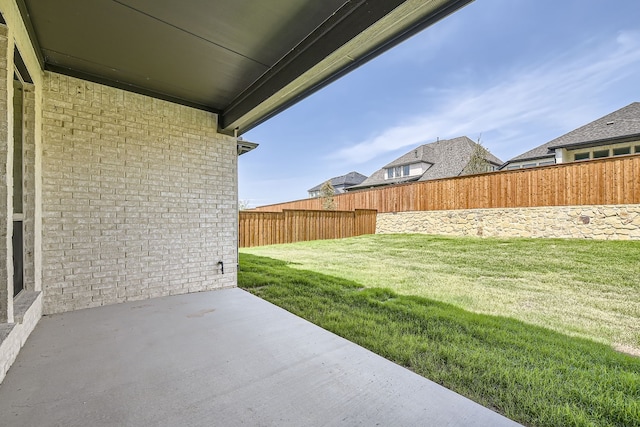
{"x":245,"y":60}
{"x":385,"y":183}
{"x":245,"y":146}
{"x":528,"y":159}
{"x":598,"y":142}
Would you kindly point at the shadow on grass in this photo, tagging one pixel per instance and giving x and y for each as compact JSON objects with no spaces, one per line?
{"x":530,"y":374}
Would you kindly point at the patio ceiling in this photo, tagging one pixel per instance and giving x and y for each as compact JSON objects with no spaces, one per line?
{"x":243,"y":59}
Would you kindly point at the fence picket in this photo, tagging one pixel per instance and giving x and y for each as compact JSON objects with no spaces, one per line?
{"x":289,"y":226}
{"x":596,"y":182}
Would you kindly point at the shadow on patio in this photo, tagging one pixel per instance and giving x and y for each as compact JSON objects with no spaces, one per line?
{"x":214,"y":358}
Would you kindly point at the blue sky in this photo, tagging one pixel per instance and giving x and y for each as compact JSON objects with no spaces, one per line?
{"x":516,"y":73}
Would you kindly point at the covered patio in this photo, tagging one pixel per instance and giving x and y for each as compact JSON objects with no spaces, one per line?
{"x":120,"y":128}
{"x":222,"y":358}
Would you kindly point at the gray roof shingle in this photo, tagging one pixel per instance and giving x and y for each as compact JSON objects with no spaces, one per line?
{"x":622,"y":123}
{"x":447,"y":158}
{"x":352,"y":178}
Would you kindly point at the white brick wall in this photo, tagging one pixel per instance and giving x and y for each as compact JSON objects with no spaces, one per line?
{"x":14,"y":335}
{"x":6,"y":262}
{"x":18,"y":316}
{"x":139,"y":197}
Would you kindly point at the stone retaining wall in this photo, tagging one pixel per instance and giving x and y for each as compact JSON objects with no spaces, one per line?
{"x":611,"y":222}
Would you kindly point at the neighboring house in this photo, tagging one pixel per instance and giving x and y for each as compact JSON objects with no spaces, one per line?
{"x":440,"y":159}
{"x":616,"y":134}
{"x":119,"y":136}
{"x":339,"y":184}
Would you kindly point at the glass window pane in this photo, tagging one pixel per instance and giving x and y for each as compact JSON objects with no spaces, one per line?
{"x":621,"y":151}
{"x":17,"y":144}
{"x":405,"y":170}
{"x":600,"y":154}
{"x":581,"y":156}
{"x":18,"y":259}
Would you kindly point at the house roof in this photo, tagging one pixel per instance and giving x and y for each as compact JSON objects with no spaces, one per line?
{"x":352,"y":178}
{"x":245,"y":60}
{"x":539,"y":152}
{"x":620,"y":124}
{"x":446,"y":158}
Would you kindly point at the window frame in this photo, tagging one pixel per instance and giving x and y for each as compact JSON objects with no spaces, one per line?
{"x":584,"y":153}
{"x":601,"y":154}
{"x":616,"y":151}
{"x":18,"y":212}
{"x":390,"y":173}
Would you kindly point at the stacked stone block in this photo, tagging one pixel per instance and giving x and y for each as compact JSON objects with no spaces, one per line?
{"x":611,"y":222}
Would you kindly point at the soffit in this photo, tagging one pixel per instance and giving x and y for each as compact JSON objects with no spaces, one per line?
{"x":243,"y":59}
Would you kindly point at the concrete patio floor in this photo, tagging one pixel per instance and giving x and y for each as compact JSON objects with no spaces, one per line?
{"x":221,"y":358}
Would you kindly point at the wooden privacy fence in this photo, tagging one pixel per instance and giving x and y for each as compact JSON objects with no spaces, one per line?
{"x":289,"y":226}
{"x":595,"y":182}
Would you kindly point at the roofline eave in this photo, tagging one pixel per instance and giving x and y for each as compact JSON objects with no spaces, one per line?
{"x":382,"y":184}
{"x":596,"y":142}
{"x":291,"y":80}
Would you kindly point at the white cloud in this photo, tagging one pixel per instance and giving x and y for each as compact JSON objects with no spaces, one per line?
{"x":561,"y":91}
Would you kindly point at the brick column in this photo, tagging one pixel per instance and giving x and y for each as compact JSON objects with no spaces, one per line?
{"x":6,"y":262}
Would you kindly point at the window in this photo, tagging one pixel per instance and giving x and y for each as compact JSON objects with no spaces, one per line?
{"x":581,"y":156}
{"x":18,"y":213}
{"x":530,"y":165}
{"x":23,"y":177}
{"x":398,"y":171}
{"x":600,"y":154}
{"x":17,"y":143}
{"x":18,"y":258}
{"x":621,"y":151}
{"x":412,"y":169}
{"x":637,"y":149}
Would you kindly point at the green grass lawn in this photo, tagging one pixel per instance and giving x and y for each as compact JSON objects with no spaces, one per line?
{"x":582,"y":288}
{"x":531,"y":374}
